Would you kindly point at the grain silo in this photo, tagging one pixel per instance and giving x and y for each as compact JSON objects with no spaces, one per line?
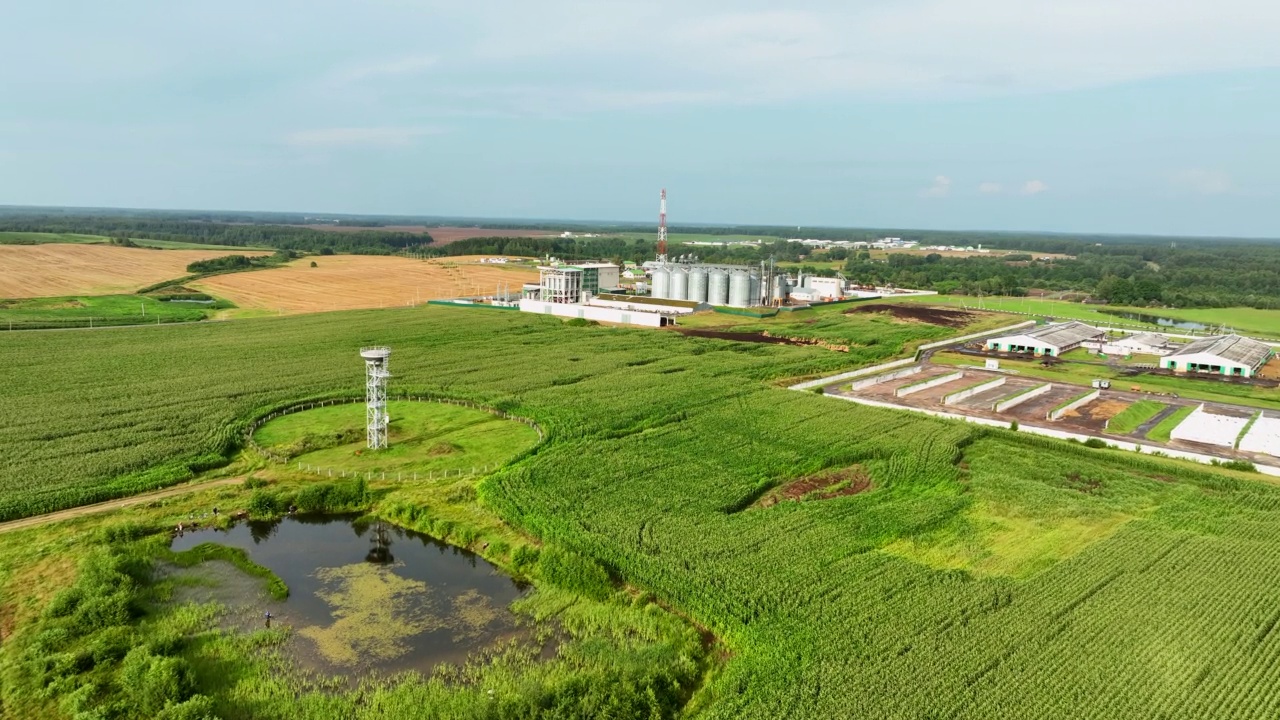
{"x":679,"y":284}
{"x":718,"y":287}
{"x":739,"y":289}
{"x":661,"y":283}
{"x":754,"y":289}
{"x":698,"y":284}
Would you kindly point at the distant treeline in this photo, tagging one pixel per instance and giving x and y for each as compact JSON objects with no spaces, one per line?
{"x":372,"y":242}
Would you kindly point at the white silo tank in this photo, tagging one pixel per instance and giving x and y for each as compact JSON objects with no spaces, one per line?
{"x":718,"y":287}
{"x":661,"y":283}
{"x":755,"y":290}
{"x":780,"y":288}
{"x":679,"y":284}
{"x":739,"y":289}
{"x":698,"y":284}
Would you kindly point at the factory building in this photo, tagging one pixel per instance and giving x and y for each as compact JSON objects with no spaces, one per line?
{"x":1053,"y":340}
{"x":1225,"y":355}
{"x":572,"y":283}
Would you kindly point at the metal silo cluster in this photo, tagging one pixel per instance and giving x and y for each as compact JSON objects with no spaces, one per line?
{"x":740,"y":286}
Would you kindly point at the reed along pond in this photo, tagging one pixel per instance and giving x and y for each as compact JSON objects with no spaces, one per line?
{"x":369,"y":596}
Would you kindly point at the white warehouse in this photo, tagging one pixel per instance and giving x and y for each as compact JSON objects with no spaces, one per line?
{"x":1051,"y":340}
{"x":1226,"y":355}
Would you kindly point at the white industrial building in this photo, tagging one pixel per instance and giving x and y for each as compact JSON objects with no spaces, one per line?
{"x":1140,"y":344}
{"x":572,"y":283}
{"x":1229,"y":355}
{"x":1053,"y":340}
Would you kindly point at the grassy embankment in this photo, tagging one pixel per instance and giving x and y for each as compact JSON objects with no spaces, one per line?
{"x":38,"y":238}
{"x":1134,"y":416}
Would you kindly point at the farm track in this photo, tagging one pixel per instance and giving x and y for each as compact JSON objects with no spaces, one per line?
{"x":96,"y":508}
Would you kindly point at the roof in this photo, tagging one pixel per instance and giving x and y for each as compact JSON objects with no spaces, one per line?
{"x":1241,"y":350}
{"x":1150,"y":339}
{"x":590,"y":266}
{"x":1063,"y":334}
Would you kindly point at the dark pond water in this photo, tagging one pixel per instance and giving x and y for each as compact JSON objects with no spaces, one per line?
{"x":373,"y":597}
{"x":1157,"y":320}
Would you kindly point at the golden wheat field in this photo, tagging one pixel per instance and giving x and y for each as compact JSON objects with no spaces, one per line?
{"x":349,"y":282}
{"x":54,"y":270}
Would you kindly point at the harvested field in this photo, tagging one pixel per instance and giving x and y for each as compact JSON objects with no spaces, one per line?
{"x":372,"y":228}
{"x":822,"y":486}
{"x":915,"y":313}
{"x":55,"y":270}
{"x":349,"y":282}
{"x":446,"y":235}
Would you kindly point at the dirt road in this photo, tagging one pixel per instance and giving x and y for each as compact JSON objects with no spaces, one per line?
{"x":109,"y":505}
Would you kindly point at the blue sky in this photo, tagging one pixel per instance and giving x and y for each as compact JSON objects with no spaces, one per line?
{"x":1136,"y":116}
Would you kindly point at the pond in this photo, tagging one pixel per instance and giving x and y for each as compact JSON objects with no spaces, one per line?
{"x":1157,"y":320}
{"x":372,"y":596}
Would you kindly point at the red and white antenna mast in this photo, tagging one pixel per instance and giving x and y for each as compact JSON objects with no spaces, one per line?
{"x":662,"y":227}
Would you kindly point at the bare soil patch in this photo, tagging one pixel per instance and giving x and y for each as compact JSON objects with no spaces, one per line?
{"x":51,"y":270}
{"x":821,"y":486}
{"x":1096,"y":414}
{"x":446,"y":235}
{"x":372,"y":228}
{"x":915,"y":313}
{"x":348,"y":282}
{"x":1086,"y":485}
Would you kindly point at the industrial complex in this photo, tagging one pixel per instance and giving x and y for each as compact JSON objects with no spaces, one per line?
{"x":673,"y":287}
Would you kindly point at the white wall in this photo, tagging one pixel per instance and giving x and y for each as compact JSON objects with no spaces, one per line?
{"x":1013,"y":402}
{"x":886,"y":377}
{"x":1079,"y":402}
{"x":588,"y":312}
{"x":969,"y":392}
{"x":927,"y":384}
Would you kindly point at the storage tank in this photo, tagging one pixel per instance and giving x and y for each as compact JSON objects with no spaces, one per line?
{"x":718,"y":287}
{"x":755,"y":289}
{"x":780,"y":288}
{"x":739,"y":289}
{"x":698,"y":284}
{"x":661,"y":283}
{"x":679,"y":284}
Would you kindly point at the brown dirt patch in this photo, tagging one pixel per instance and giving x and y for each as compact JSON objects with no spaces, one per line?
{"x":1086,"y":485}
{"x":916,"y":313}
{"x":1271,"y":371}
{"x":348,"y":282}
{"x":822,"y":486}
{"x":446,"y":235}
{"x":64,"y":269}
{"x":419,"y":229}
{"x":1101,"y":410}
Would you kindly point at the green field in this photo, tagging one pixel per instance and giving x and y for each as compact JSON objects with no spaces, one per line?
{"x":83,"y":311}
{"x":423,"y":438}
{"x":1133,"y":416}
{"x":1248,"y":321}
{"x":986,"y":573}
{"x":37,"y":238}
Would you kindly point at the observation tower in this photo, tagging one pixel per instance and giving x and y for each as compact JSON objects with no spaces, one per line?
{"x":376,"y":372}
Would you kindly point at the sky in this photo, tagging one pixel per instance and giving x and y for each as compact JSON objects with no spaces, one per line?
{"x":1124,"y":116}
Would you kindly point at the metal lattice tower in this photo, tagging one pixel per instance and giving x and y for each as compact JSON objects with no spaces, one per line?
{"x":375,"y":390}
{"x":662,"y":227}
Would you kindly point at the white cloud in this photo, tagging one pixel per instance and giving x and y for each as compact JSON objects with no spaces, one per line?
{"x":1034,"y":187}
{"x":1202,"y":182}
{"x":941,"y":187}
{"x":402,"y":66}
{"x":990,"y":188}
{"x":358,"y":136}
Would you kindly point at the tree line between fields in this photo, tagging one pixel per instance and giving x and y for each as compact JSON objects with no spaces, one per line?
{"x":1144,"y":271}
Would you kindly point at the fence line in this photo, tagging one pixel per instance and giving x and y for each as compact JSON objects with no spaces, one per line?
{"x":329,"y":472}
